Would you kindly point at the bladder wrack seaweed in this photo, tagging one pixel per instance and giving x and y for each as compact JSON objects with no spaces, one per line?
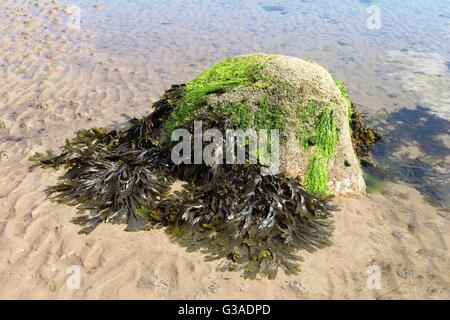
{"x":254,"y":223}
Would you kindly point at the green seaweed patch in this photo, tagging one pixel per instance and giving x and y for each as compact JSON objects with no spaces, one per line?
{"x":325,"y":136}
{"x":326,"y":133}
{"x":241,"y":114}
{"x":342,"y":88}
{"x":307,"y":118}
{"x":222,"y":77}
{"x":269,"y":117}
{"x":142,"y":211}
{"x":316,"y":177}
{"x":344,"y":93}
{"x":320,"y":131}
{"x":266,"y":117}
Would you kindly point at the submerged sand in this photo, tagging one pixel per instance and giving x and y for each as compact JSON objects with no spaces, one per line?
{"x":52,"y":83}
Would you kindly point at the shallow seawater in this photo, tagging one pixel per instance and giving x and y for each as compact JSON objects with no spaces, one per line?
{"x":394,"y":57}
{"x":415,"y":149}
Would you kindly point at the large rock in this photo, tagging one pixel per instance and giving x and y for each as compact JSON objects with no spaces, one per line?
{"x":255,"y":222}
{"x":298,"y":97}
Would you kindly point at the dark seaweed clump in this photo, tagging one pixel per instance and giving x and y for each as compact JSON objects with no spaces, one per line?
{"x":363,"y":137}
{"x":254,"y":223}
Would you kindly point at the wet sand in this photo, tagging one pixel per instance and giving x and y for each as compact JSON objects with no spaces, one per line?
{"x":53,"y":81}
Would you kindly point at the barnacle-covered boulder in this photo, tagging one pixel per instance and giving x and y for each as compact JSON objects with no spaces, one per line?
{"x":301,"y":99}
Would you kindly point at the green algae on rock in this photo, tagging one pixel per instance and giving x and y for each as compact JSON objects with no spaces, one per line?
{"x":224,"y":76}
{"x":255,"y":223}
{"x":301,"y":99}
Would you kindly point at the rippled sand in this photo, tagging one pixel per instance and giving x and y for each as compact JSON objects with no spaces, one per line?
{"x":53,"y":82}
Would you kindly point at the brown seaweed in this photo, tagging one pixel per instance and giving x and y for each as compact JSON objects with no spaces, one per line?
{"x":256,"y":222}
{"x":363,"y":137}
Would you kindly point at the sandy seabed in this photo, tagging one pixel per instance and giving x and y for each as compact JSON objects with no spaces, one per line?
{"x":52,"y":83}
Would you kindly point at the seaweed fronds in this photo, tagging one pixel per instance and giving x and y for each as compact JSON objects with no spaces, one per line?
{"x":88,"y":141}
{"x":255,"y":223}
{"x":363,"y":137}
{"x":316,"y":177}
{"x":345,"y":95}
{"x":112,"y":191}
{"x":110,"y":174}
{"x":325,"y":133}
{"x":323,"y":137}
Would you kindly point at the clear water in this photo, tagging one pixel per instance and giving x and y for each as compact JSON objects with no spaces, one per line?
{"x":392,"y":62}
